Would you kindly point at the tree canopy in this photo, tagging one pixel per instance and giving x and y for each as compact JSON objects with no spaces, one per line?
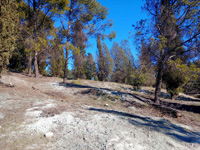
{"x":175,"y":33}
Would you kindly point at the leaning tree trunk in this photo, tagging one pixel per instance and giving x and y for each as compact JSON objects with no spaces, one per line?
{"x":158,"y":83}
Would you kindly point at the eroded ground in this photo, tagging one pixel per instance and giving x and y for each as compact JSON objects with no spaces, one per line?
{"x":37,"y":114}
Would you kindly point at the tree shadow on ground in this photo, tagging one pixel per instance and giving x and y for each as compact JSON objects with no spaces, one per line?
{"x":162,"y":125}
{"x":178,"y":106}
{"x":167,"y":96}
{"x":190,"y":108}
{"x":70,"y":85}
{"x":114,"y":92}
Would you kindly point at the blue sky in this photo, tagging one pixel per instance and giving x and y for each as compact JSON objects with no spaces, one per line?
{"x":124,"y":14}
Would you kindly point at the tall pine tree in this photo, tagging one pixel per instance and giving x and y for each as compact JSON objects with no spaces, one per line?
{"x":109,"y":64}
{"x":101,"y":61}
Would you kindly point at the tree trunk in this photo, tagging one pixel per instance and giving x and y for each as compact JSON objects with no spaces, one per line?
{"x":36,"y":65}
{"x":66,"y":66}
{"x":1,"y":68}
{"x":67,"y":48}
{"x":35,"y":38}
{"x":158,"y":84}
{"x":30,"y":65}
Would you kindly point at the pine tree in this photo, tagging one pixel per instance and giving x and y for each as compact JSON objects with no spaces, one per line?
{"x":8,"y":31}
{"x":175,"y":24}
{"x":109,"y":64}
{"x":101,"y":61}
{"x":56,"y":60}
{"x":39,"y":12}
{"x":121,"y":63}
{"x":131,"y":65}
{"x":90,"y":67}
{"x":88,"y":14}
{"x":78,"y":65}
{"x":79,"y":40}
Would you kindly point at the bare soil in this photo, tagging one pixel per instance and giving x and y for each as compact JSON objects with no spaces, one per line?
{"x":91,"y":115}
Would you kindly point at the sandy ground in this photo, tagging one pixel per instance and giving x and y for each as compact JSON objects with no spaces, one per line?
{"x":40,"y":114}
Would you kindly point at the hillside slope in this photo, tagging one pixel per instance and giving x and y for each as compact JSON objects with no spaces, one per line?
{"x":44,"y":113}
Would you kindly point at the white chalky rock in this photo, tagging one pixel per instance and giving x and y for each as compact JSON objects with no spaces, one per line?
{"x":49,"y":135}
{"x":106,"y":105}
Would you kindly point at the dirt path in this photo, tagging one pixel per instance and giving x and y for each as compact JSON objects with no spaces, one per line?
{"x":44,"y":114}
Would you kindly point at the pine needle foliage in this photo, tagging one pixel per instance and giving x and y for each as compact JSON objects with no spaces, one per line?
{"x":8,"y":31}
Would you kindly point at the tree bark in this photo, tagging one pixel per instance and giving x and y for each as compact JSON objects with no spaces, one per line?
{"x":66,"y":66}
{"x":30,"y":65}
{"x":36,"y":65}
{"x":35,"y":38}
{"x":158,"y":84}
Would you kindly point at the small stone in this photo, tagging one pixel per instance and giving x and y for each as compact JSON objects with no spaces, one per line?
{"x":132,"y":107}
{"x":48,"y":135}
{"x":106,"y":105}
{"x":0,"y":127}
{"x":10,"y":85}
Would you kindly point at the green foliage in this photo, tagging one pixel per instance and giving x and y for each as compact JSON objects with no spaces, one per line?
{"x":82,"y":17}
{"x":131,"y":64}
{"x":42,"y":67}
{"x":8,"y":31}
{"x":90,"y":67}
{"x":177,"y":75}
{"x":172,"y":31}
{"x":79,"y":63}
{"x":18,"y":61}
{"x":101,"y":62}
{"x":78,"y":46}
{"x":112,"y":35}
{"x":137,"y":79}
{"x":42,"y":63}
{"x":193,"y":85}
{"x":121,"y":63}
{"x":109,"y":64}
{"x":57,"y":60}
{"x":57,"y":66}
{"x":58,"y":6}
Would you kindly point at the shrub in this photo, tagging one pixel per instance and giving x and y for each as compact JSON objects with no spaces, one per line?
{"x":137,"y":79}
